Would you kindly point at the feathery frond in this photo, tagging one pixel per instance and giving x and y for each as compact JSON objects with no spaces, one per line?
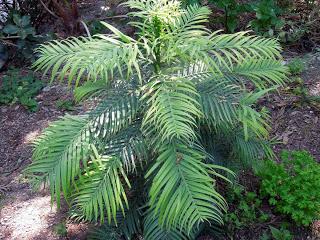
{"x":114,"y":112}
{"x":182,"y":191}
{"x":219,"y":102}
{"x":100,"y":193}
{"x":129,"y":145}
{"x":96,"y":58}
{"x":153,"y":230}
{"x":173,"y":109}
{"x":89,"y":89}
{"x":59,"y":151}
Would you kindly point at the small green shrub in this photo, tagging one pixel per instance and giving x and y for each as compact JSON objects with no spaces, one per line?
{"x":267,"y":18}
{"x":296,"y":66}
{"x":293,"y":186}
{"x":246,"y":209}
{"x":17,"y":88}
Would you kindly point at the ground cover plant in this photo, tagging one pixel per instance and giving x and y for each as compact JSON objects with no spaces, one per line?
{"x":281,"y":183}
{"x":20,"y":88}
{"x":144,"y":160}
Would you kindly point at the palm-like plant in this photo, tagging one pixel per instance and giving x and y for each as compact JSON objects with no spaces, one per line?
{"x":174,"y":104}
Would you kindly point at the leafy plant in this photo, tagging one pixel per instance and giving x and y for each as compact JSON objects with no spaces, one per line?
{"x":280,"y":234}
{"x":245,"y":209}
{"x":165,"y":98}
{"x":232,"y":10}
{"x":296,"y":66}
{"x":18,"y":88}
{"x":18,"y":28}
{"x":281,"y":183}
{"x":267,"y":18}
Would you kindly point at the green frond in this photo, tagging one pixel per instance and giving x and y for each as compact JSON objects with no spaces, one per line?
{"x":262,"y":72}
{"x":250,"y":118}
{"x":229,"y":147}
{"x":115,"y":111}
{"x":173,"y":109}
{"x":219,"y":102}
{"x":191,"y":23}
{"x":153,"y":230}
{"x":128,"y":226}
{"x":89,"y":89}
{"x":131,"y":224}
{"x":182,"y":192}
{"x":59,"y":151}
{"x":238,"y":46}
{"x":97,"y":58}
{"x":165,"y":10}
{"x":253,"y":120}
{"x":251,"y":150}
{"x":197,"y":72}
{"x":129,"y":145}
{"x":104,"y":232}
{"x":100,"y":192}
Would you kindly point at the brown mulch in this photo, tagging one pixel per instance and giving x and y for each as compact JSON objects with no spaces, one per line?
{"x":295,"y":122}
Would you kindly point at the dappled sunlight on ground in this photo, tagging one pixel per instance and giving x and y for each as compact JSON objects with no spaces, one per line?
{"x":27,"y":219}
{"x":31,"y":136}
{"x":315,"y":89}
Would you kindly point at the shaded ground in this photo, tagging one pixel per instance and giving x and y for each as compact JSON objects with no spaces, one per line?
{"x":25,"y":214}
{"x":295,"y":120}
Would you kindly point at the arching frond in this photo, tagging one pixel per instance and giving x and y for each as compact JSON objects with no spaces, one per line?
{"x":229,"y":147}
{"x":182,"y":191}
{"x":100,"y":193}
{"x":238,"y":46}
{"x":59,"y":151}
{"x":129,"y":145}
{"x":219,"y":102}
{"x":104,"y":232}
{"x":89,"y":89}
{"x":173,"y":109}
{"x":191,"y":23}
{"x":115,"y":111}
{"x":128,"y":226}
{"x":250,"y":151}
{"x":250,"y":118}
{"x":66,"y":142}
{"x":97,"y":58}
{"x":154,"y":231}
{"x":131,"y":224}
{"x":262,"y":72}
{"x":197,"y":72}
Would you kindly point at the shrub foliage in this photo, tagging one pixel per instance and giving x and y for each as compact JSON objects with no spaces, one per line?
{"x":173,"y":104}
{"x":292,"y":186}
